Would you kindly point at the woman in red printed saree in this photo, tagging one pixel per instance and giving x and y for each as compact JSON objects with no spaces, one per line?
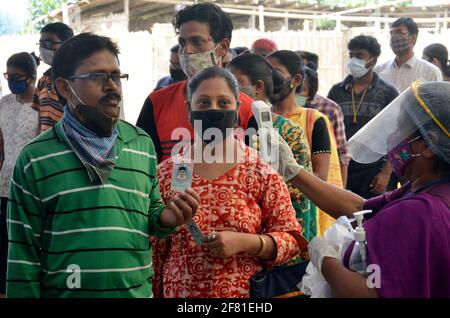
{"x":245,"y":203}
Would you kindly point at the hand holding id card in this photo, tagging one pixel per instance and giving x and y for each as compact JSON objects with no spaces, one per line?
{"x":181,"y":180}
{"x":182,"y":176}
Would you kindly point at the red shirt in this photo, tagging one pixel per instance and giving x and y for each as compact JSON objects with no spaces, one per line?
{"x":172,"y":121}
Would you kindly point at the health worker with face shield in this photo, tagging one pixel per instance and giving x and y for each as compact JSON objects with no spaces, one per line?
{"x":408,"y":229}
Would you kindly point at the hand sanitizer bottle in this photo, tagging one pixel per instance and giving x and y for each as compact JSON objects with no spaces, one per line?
{"x":358,"y":258}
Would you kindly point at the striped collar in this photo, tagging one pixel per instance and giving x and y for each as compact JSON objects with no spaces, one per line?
{"x":127,"y":132}
{"x":411,"y":63}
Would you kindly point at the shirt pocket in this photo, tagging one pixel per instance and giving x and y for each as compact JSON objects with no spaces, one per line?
{"x":138,"y":208}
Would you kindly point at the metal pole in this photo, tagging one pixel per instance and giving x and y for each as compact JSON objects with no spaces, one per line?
{"x":252,"y":22}
{"x":126,"y":9}
{"x":65,"y":13}
{"x":286,"y":22}
{"x":438,"y":24}
{"x":446,"y":17}
{"x":261,"y":16}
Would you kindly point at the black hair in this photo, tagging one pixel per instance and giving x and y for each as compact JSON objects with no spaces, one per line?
{"x":182,"y":169}
{"x":441,"y":167}
{"x":291,"y":60}
{"x":25,"y":62}
{"x":213,"y":72}
{"x":256,"y":68}
{"x":313,"y":59}
{"x":409,"y":23}
{"x":439,"y":52}
{"x":174,"y":49}
{"x":62,"y":31}
{"x":365,"y":42}
{"x":240,"y":49}
{"x":220,"y":24}
{"x":72,"y":53}
{"x":312,"y":80}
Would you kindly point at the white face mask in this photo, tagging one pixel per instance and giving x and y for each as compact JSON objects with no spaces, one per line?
{"x":357,"y":67}
{"x":196,"y":62}
{"x":46,"y":55}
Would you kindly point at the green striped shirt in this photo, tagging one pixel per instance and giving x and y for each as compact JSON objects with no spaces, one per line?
{"x":72,"y":238}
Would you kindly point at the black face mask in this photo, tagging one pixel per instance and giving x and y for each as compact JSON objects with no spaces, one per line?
{"x":93,"y":117}
{"x":177,"y":75}
{"x":220,"y":119}
{"x":284,"y":92}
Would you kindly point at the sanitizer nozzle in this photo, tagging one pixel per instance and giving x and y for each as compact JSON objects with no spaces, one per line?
{"x":360,"y":235}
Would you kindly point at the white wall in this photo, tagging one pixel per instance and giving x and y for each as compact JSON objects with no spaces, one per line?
{"x":145,"y":56}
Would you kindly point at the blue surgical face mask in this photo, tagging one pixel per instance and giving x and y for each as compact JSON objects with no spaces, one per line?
{"x":301,"y":100}
{"x":17,"y":87}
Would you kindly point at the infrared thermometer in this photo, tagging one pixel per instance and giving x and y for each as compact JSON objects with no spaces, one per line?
{"x":263,"y":116}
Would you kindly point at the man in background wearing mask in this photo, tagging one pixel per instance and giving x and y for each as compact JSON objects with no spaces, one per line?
{"x":362,"y":95}
{"x":97,"y":244}
{"x":204,"y":35}
{"x":406,"y":67}
{"x":46,"y":100}
{"x":176,"y":72}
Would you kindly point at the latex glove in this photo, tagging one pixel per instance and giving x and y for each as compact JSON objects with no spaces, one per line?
{"x":320,"y":248}
{"x":286,"y":165}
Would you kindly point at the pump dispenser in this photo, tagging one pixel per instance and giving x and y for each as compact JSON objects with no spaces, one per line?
{"x":358,"y":258}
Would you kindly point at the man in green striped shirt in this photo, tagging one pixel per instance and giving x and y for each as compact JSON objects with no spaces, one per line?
{"x":84,"y":197}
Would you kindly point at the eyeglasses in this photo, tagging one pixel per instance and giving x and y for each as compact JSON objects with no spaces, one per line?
{"x":47,"y":44}
{"x":101,"y":78}
{"x":15,"y":77}
{"x":398,"y":33}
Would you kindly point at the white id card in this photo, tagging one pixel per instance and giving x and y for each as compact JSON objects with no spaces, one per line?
{"x":182,"y":176}
{"x":195,"y":231}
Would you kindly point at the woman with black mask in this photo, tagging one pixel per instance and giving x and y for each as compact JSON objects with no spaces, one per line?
{"x":245,"y":210}
{"x":18,"y":125}
{"x":259,"y":80}
{"x":324,"y":156}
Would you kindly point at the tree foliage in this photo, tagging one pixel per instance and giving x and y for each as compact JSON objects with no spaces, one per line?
{"x":37,"y":10}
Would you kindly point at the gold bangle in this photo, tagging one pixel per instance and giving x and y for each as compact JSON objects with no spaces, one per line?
{"x":263,"y":245}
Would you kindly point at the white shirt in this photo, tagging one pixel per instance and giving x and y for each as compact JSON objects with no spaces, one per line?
{"x":19,"y":124}
{"x":410,"y":71}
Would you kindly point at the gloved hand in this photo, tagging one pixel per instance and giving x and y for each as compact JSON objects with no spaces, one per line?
{"x":319,"y":248}
{"x":286,"y":165}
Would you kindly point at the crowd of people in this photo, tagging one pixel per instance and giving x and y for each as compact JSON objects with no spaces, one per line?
{"x":88,"y":205}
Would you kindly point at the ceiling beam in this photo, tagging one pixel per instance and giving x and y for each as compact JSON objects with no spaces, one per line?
{"x":369,"y":7}
{"x":240,"y":6}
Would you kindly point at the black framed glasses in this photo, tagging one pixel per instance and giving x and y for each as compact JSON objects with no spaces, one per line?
{"x":101,"y":78}
{"x":48,"y":44}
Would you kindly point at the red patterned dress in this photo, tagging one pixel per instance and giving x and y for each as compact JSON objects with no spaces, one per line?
{"x":249,"y":198}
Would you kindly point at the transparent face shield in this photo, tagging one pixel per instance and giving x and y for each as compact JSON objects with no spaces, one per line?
{"x":422,"y":108}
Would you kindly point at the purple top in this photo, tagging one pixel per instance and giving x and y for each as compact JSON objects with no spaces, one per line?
{"x":409,"y":238}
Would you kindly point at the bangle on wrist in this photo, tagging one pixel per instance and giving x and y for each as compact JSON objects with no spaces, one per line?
{"x":263,"y":246}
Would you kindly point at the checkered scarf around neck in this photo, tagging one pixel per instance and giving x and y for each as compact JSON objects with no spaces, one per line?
{"x":96,"y":153}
